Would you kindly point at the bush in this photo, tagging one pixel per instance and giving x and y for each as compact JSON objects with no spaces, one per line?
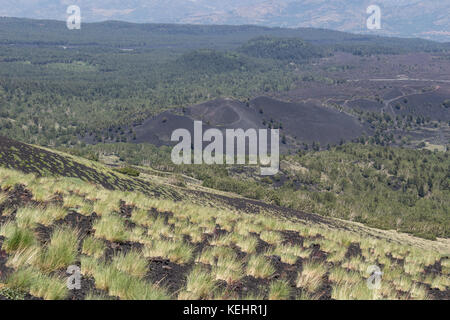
{"x":129,"y":171}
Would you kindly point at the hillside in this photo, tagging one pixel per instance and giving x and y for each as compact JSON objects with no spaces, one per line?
{"x":401,"y":17}
{"x":384,"y":187}
{"x":290,"y":49}
{"x":300,"y":122}
{"x":144,"y":245}
{"x":188,"y":36}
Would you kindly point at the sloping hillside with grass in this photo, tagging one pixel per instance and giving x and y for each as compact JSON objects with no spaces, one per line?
{"x":383,"y":187}
{"x":47,"y":163}
{"x":134,"y":244}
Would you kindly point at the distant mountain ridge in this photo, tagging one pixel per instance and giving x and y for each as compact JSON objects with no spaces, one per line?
{"x":127,"y":35}
{"x":405,"y":18}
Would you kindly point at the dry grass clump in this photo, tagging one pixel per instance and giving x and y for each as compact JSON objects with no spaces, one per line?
{"x":397,"y":251}
{"x":279,"y":290}
{"x":446,"y":266}
{"x":158,"y":229}
{"x":412,"y":268}
{"x":88,"y":265}
{"x":226,"y":222}
{"x":120,"y":284}
{"x":304,"y":295}
{"x":440,"y":282}
{"x":210,"y":255}
{"x":341,"y":276}
{"x":406,"y":284}
{"x":136,"y":199}
{"x":42,"y":189}
{"x":418,"y":292}
{"x":200,"y":285}
{"x":131,"y":263}
{"x":130,"y":288}
{"x":329,"y":246}
{"x":189,"y":229}
{"x":61,"y":251}
{"x":387,"y":291}
{"x":259,"y":267}
{"x":403,"y":283}
{"x":393,"y":273}
{"x":11,"y":178}
{"x":271,"y":237}
{"x":341,"y":238}
{"x":29,"y":217}
{"x":3,"y":197}
{"x":253,"y":296}
{"x":141,"y":217}
{"x":93,"y":247}
{"x":337,"y":256}
{"x":246,"y":226}
{"x":17,"y":238}
{"x":356,"y":264}
{"x":208,"y":225}
{"x":76,"y":186}
{"x":270,"y":223}
{"x":86,"y":208}
{"x":247,"y":244}
{"x":38,"y":284}
{"x":311,"y":277}
{"x":289,"y":253}
{"x":349,"y":291}
{"x":225,"y":264}
{"x":138,"y":234}
{"x":107,"y":203}
{"x":226,"y":240}
{"x":417,"y":259}
{"x":229,"y":270}
{"x":112,"y":228}
{"x":175,"y":251}
{"x":24,"y":257}
{"x":73,"y":201}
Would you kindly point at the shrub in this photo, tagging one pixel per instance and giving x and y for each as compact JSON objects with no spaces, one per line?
{"x":128,"y":171}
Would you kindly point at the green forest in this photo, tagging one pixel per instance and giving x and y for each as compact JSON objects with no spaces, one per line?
{"x":59,"y":88}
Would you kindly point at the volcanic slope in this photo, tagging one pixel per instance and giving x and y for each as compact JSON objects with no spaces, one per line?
{"x":145,"y":245}
{"x":218,"y":113}
{"x":302,"y":122}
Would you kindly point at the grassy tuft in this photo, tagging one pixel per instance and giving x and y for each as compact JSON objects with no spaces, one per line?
{"x":177,"y":252}
{"x":38,"y":284}
{"x":279,"y":290}
{"x":200,"y":285}
{"x":18,"y":239}
{"x":61,"y":251}
{"x":112,"y":228}
{"x":311,"y":277}
{"x":93,"y":247}
{"x":132,"y":263}
{"x":259,"y":267}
